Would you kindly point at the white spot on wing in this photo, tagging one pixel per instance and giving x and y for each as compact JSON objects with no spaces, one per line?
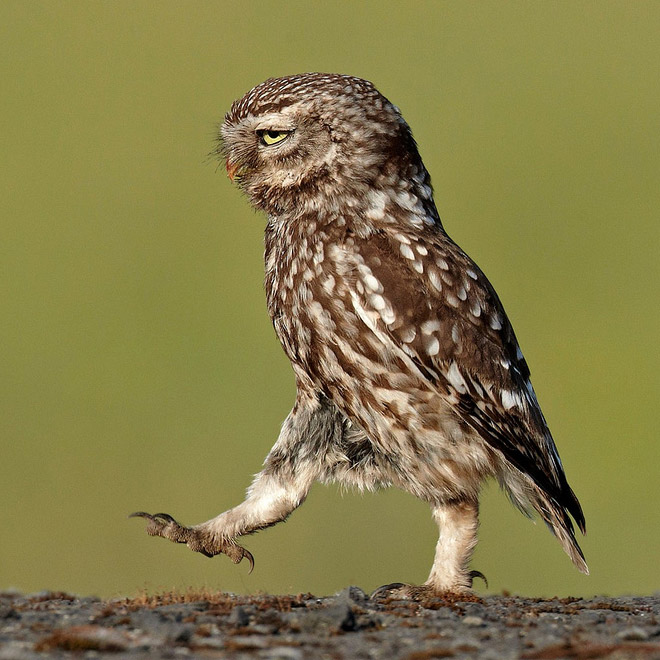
{"x":408,"y":334}
{"x":406,"y":251}
{"x":432,"y":345}
{"x":456,"y":379}
{"x":509,"y":399}
{"x":442,"y":263}
{"x":373,"y":283}
{"x":456,"y":337}
{"x":377,"y":302}
{"x":431,"y":326}
{"x":435,"y":280}
{"x":388,"y":315}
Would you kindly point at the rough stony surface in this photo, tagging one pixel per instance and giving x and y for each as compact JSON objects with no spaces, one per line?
{"x":348,"y":625}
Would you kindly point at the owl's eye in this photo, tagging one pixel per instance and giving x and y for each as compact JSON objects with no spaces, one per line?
{"x":270,"y":137}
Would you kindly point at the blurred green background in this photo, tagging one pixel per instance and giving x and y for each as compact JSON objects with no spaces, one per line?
{"x":139,"y":367}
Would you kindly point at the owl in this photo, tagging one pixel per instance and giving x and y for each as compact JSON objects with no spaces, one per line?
{"x":408,"y":371}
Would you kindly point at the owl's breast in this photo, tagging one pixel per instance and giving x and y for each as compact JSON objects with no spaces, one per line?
{"x":296,"y":266}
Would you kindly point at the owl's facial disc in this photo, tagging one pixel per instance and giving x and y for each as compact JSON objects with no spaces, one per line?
{"x":282,"y":158}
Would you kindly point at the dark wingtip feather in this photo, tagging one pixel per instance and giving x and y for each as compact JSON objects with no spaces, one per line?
{"x":571,"y":503}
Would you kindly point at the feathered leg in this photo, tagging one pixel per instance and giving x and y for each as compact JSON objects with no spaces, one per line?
{"x":290,"y":469}
{"x":457,"y":521}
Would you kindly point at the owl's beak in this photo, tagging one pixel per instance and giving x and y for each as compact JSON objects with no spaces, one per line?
{"x":232,"y":168}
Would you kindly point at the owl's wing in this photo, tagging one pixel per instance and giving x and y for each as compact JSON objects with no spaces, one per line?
{"x":438,"y":307}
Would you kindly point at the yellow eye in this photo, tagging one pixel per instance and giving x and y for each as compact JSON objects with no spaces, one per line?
{"x":269,"y":137}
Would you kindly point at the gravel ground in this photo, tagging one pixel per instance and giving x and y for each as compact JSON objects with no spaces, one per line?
{"x":348,"y":625}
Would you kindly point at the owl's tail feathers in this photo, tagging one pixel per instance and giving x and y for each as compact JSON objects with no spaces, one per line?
{"x":557,"y":519}
{"x":555,"y":515}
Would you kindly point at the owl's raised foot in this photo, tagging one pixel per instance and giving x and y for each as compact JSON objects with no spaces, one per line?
{"x":196,"y":538}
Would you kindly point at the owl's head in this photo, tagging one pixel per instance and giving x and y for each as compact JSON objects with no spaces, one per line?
{"x":315,"y":141}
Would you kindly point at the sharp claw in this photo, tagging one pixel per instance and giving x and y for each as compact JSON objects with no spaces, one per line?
{"x":162,"y":524}
{"x":248,"y":555}
{"x":166,"y":517}
{"x":384,"y":591}
{"x":479,"y":574}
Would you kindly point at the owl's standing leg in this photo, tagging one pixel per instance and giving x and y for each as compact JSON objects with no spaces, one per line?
{"x":290,"y":469}
{"x":458,"y":521}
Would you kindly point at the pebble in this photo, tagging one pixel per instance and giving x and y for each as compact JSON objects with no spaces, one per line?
{"x":239,"y":617}
{"x":633,"y":634}
{"x":352,"y":593}
{"x":335,"y":618}
{"x":473,"y":621}
{"x":282,"y":653}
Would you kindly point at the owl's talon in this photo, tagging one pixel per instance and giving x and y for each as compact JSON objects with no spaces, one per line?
{"x":246,"y":554}
{"x":387,"y":590}
{"x":164,"y":525}
{"x":165,"y":516}
{"x":478,"y":574}
{"x":421,"y":593}
{"x":198,"y":540}
{"x":401,"y":591}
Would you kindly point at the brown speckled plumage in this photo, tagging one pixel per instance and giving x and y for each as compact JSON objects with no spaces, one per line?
{"x":408,"y":370}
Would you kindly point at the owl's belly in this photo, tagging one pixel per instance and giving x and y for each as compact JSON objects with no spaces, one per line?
{"x":426,"y":452}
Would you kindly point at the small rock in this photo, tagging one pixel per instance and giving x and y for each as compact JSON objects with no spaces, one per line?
{"x":282,"y":653}
{"x":239,"y":617}
{"x":633,"y":634}
{"x":184,"y":634}
{"x":590,"y":617}
{"x":264,"y":629}
{"x":8,"y":612}
{"x":249,"y":643}
{"x":352,"y":593}
{"x":473,"y":621}
{"x":474,"y":609}
{"x":213,"y":643}
{"x":332,"y":619}
{"x":13,"y":650}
